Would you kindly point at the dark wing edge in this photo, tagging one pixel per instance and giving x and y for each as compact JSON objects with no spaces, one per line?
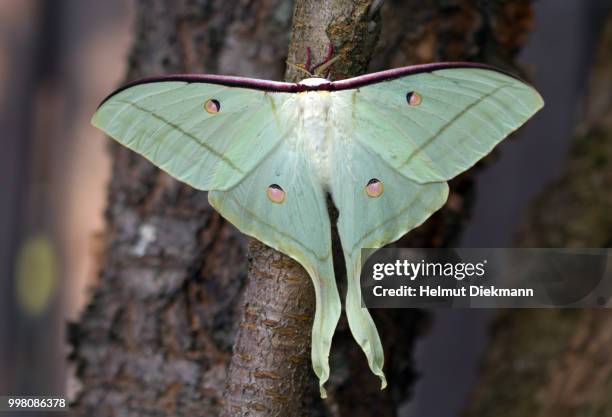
{"x":284,"y":87}
{"x":225,"y":80}
{"x":362,"y":80}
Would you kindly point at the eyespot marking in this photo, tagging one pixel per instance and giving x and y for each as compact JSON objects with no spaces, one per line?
{"x":212,"y":106}
{"x":413,"y":98}
{"x":374,"y":188}
{"x":275,"y":193}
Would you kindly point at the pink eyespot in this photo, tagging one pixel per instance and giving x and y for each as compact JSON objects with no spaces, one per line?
{"x":413,"y":98}
{"x":212,"y":106}
{"x":276,"y":193}
{"x":374,"y":188}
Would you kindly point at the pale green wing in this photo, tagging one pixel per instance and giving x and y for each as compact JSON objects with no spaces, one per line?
{"x":237,"y":152}
{"x":298,"y":227}
{"x":372,"y":222}
{"x":411,"y":134}
{"x":168,"y":123}
{"x":457,"y":116}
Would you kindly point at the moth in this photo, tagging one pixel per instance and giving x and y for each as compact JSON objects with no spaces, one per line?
{"x":381,"y":145}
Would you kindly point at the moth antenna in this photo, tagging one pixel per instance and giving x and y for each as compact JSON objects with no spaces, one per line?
{"x":299,"y":68}
{"x":320,"y":69}
{"x":330,"y":53}
{"x":328,"y":73}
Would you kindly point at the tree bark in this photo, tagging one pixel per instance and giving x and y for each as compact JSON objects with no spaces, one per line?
{"x":156,"y":338}
{"x":556,"y":362}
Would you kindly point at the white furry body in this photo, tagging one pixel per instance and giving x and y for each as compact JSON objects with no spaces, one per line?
{"x":319,"y":132}
{"x":315,"y":133}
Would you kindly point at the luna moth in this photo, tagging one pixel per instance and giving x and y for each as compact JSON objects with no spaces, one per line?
{"x":382,"y":145}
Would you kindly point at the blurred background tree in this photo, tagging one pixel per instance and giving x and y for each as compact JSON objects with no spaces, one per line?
{"x":557,"y":362}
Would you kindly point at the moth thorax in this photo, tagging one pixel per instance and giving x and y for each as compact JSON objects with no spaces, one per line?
{"x":316,"y":131}
{"x":314,"y":82}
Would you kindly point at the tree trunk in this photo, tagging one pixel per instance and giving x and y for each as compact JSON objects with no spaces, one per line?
{"x":156,"y":338}
{"x":556,"y":362}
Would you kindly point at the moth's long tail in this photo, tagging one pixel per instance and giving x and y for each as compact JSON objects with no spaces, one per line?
{"x":360,"y":322}
{"x":326,"y":317}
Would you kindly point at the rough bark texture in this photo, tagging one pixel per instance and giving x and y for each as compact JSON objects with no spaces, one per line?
{"x":156,"y":338}
{"x":557,"y":362}
{"x":269,"y":373}
{"x":350,"y":28}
